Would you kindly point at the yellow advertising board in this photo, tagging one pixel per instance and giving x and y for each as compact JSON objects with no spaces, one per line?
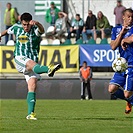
{"x":6,"y":59}
{"x":67,"y":56}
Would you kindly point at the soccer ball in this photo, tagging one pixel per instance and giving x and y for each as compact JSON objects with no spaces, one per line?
{"x":119,"y":64}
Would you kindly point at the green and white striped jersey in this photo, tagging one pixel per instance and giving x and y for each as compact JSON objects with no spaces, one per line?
{"x":27,"y":43}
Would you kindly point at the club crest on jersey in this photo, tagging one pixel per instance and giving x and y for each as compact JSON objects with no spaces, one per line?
{"x":23,"y":39}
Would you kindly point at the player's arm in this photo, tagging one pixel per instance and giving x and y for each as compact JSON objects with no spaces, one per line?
{"x":39,"y":25}
{"x":3,"y":34}
{"x":126,"y":41}
{"x":115,"y":43}
{"x":8,"y":31}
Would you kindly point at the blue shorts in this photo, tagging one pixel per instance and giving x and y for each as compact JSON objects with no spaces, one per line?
{"x":119,"y":79}
{"x":129,"y":80}
{"x":124,"y":80}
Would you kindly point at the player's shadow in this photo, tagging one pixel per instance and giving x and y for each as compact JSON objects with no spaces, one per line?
{"x":80,"y":118}
{"x":87,"y":118}
{"x":94,"y":118}
{"x":129,"y":117}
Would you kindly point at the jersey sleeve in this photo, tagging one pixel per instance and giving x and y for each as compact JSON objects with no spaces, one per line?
{"x":113,"y":34}
{"x":11,"y":30}
{"x":37,"y":32}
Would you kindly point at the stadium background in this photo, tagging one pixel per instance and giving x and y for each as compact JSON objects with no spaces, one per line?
{"x":69,"y":6}
{"x":66,"y":83}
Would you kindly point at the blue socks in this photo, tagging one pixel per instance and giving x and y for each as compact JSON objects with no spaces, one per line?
{"x":119,"y":94}
{"x":130,"y":100}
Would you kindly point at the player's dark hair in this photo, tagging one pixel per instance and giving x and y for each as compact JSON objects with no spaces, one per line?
{"x":84,"y":62}
{"x":26,"y":17}
{"x":127,"y":10}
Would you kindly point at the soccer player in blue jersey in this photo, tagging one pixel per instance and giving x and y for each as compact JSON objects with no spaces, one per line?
{"x":28,"y":35}
{"x":121,"y":83}
{"x":127,"y":46}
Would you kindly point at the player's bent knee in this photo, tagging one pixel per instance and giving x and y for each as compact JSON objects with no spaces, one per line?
{"x":30,"y":64}
{"x":112,"y":88}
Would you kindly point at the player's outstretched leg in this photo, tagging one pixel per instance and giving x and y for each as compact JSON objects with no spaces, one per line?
{"x":51,"y":69}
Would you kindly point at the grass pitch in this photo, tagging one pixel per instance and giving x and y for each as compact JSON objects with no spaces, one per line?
{"x":66,"y":116}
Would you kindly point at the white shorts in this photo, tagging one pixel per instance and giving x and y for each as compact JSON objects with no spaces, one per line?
{"x":20,"y":62}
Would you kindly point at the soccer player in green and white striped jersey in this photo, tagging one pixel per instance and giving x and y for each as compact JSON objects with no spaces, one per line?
{"x":27,"y":36}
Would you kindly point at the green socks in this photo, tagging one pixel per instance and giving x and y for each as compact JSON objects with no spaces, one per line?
{"x":40,"y":69}
{"x":31,"y":100}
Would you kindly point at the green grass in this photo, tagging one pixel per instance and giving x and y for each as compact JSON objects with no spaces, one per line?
{"x":66,"y":116}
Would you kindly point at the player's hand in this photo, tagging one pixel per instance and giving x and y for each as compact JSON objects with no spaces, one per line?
{"x":33,"y":22}
{"x":123,"y":45}
{"x":124,"y":29}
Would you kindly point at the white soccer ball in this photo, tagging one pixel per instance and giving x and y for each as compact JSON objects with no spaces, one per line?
{"x":119,"y":64}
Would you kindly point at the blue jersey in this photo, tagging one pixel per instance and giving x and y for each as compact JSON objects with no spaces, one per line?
{"x":123,"y":53}
{"x":129,"y":49}
{"x":124,"y":79}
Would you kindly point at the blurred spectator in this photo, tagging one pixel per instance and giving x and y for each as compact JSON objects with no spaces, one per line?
{"x":85,"y":78}
{"x":10,"y":18}
{"x":118,"y":12}
{"x":102,"y":25}
{"x":52,"y":14}
{"x":89,"y":27}
{"x":60,"y":25}
{"x":76,"y":27}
